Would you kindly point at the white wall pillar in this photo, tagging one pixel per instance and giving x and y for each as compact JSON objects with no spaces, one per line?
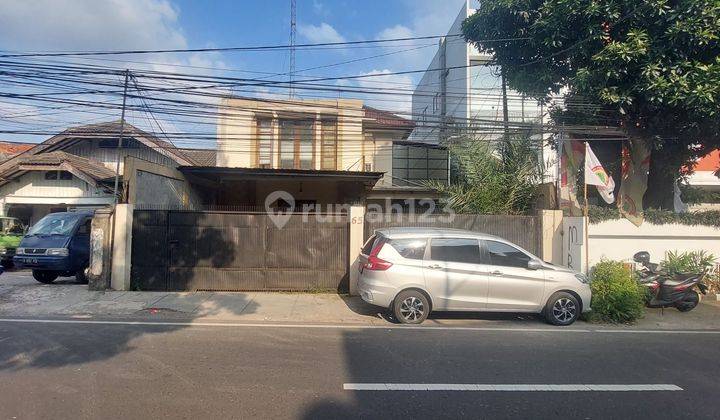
{"x":551,"y":235}
{"x":356,"y":240}
{"x":122,"y":247}
{"x":575,"y":243}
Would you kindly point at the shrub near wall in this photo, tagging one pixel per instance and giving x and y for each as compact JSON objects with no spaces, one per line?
{"x":617,"y":296}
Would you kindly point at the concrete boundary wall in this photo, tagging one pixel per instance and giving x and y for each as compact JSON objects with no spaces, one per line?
{"x":620,"y":239}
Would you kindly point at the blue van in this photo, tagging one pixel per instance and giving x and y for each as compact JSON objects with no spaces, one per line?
{"x":57,"y":245}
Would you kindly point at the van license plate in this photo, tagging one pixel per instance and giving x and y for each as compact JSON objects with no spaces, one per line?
{"x":31,"y":260}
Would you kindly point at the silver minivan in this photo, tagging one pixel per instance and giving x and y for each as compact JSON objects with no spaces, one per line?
{"x":413,"y":271}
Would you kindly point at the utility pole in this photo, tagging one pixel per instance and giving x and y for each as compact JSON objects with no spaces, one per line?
{"x":506,"y":122}
{"x":293,"y":12}
{"x":443,"y":91}
{"x":120,"y":137}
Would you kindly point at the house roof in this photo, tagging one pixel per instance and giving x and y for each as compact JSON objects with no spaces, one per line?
{"x":386,"y":119}
{"x":202,"y":157}
{"x":111,"y":129}
{"x":9,"y":149}
{"x":86,"y":169}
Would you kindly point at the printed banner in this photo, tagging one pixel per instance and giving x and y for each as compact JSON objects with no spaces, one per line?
{"x":572,"y":153}
{"x":635,"y":168}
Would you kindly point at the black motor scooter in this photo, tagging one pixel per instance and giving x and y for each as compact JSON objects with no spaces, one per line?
{"x":666,"y":290}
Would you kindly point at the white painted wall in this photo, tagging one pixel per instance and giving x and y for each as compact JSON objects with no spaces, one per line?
{"x":473,"y":95}
{"x":34,"y":185}
{"x":620,"y":239}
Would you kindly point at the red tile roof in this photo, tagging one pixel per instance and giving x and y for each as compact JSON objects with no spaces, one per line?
{"x":9,"y":149}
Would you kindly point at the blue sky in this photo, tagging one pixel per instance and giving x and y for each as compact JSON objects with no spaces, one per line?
{"x":53,"y":25}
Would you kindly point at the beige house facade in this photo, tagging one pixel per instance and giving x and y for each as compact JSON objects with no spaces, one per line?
{"x":309,"y":134}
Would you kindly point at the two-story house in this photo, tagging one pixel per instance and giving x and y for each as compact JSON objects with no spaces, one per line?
{"x":322,"y":151}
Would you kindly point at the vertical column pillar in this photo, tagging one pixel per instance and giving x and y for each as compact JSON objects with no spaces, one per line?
{"x":122,"y":247}
{"x":551,"y":239}
{"x":575,"y":245}
{"x":357,"y":233}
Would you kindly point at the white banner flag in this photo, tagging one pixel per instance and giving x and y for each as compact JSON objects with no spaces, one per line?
{"x":595,"y":175}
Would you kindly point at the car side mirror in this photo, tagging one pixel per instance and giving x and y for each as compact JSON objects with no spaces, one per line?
{"x":534,"y":265}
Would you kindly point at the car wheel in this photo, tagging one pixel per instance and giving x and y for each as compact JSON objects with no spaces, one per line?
{"x":562,"y":309}
{"x":44,"y":276}
{"x":80,"y":276}
{"x":7,"y":264}
{"x":411,"y":307}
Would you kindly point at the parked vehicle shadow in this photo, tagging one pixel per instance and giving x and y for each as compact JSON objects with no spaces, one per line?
{"x":47,"y":345}
{"x":360,"y":307}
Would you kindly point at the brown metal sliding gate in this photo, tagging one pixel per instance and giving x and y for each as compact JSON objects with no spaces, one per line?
{"x":205,"y":250}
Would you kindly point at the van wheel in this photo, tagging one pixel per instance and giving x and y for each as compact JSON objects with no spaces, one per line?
{"x":44,"y":276}
{"x":562,"y":309}
{"x":80,"y":276}
{"x":411,"y":307}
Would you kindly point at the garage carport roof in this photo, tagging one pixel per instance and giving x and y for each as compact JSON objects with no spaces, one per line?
{"x":216,"y":173}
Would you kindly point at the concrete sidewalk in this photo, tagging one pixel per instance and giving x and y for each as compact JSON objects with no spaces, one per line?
{"x":21,"y":296}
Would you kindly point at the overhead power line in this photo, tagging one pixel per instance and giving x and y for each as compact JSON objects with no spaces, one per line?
{"x":250,"y":48}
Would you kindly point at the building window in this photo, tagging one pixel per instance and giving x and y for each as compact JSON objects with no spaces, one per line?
{"x":55,"y":175}
{"x":264,"y":143}
{"x":328,"y":145}
{"x":296,"y":144}
{"x":423,"y":118}
{"x":415,"y":164}
{"x":436,"y":103}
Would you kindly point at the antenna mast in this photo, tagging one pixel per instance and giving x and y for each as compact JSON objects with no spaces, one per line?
{"x":293,"y":8}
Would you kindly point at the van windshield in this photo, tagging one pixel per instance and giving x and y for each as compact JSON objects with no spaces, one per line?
{"x":55,"y":224}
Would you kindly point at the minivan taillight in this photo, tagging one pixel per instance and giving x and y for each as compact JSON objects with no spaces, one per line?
{"x":376,"y":263}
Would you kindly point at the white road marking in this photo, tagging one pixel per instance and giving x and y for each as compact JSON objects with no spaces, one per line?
{"x":346,"y":326}
{"x":511,"y":387}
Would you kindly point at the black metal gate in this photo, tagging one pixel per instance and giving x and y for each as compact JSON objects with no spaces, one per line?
{"x":231,"y":251}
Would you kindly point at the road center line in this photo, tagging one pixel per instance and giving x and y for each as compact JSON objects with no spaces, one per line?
{"x":346,"y":326}
{"x":511,"y":387}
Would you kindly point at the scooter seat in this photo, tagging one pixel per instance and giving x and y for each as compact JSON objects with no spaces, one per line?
{"x":680,"y":279}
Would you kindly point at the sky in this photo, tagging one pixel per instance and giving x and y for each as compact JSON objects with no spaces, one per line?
{"x":82,"y":25}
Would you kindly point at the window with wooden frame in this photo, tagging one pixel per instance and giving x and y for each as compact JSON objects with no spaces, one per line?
{"x":264,"y":143}
{"x":297,"y":149}
{"x":328,"y":144}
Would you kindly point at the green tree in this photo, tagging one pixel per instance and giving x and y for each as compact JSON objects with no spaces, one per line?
{"x":650,"y":67}
{"x":494,"y":177}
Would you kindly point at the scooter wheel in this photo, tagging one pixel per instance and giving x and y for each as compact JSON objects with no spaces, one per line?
{"x":689,"y":303}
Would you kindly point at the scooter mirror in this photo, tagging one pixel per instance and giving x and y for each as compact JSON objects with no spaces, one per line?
{"x":642,"y":257}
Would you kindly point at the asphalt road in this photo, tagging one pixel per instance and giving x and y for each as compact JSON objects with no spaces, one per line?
{"x":63,"y":370}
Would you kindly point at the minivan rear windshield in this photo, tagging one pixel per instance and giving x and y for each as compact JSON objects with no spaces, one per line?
{"x":368,"y":245}
{"x":55,"y":224}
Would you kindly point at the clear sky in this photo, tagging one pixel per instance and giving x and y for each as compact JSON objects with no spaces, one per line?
{"x":83,"y":25}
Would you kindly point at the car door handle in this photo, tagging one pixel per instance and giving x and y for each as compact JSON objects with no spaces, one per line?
{"x":434,"y":266}
{"x":496,"y":273}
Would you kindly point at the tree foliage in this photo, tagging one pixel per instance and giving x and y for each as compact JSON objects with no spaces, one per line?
{"x":650,"y":67}
{"x":494,"y":177}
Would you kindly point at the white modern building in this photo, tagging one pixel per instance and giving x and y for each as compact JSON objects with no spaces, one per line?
{"x":461,"y":94}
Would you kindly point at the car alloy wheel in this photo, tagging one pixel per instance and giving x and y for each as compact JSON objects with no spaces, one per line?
{"x":412,"y":309}
{"x":564,"y":310}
